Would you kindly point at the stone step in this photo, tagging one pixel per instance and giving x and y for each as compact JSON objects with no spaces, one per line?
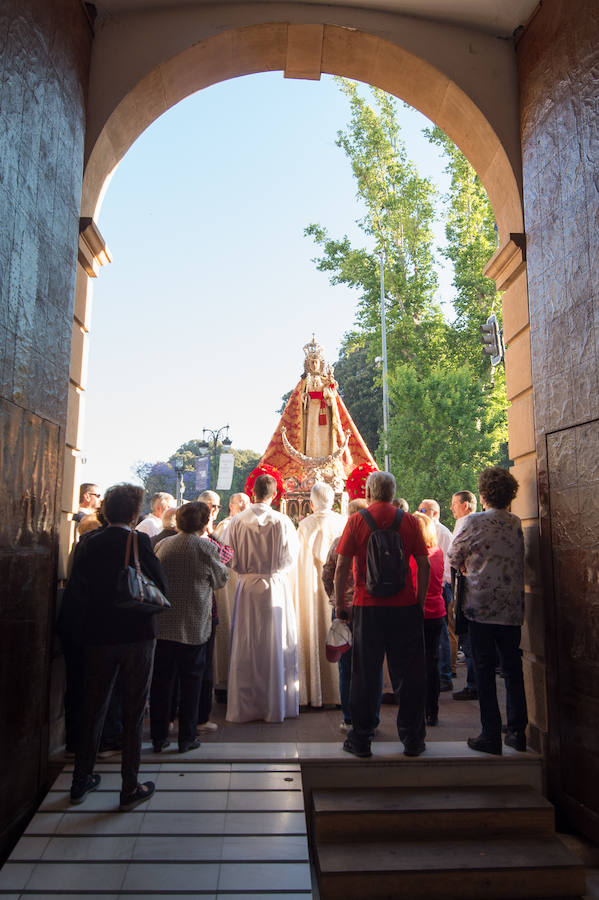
{"x":445,"y":869}
{"x":373,"y":814}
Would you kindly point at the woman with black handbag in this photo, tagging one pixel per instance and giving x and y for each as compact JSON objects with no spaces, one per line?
{"x":118,"y":641}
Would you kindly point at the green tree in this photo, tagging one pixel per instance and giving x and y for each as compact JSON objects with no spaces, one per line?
{"x":359,"y":383}
{"x":399,"y":212}
{"x":161,"y":476}
{"x":444,"y":429}
{"x":471,"y":241}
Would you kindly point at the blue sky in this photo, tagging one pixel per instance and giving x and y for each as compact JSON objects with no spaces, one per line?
{"x":201,"y":317}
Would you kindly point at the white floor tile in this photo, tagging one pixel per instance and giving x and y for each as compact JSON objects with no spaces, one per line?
{"x":44,"y":823}
{"x":265,"y":823}
{"x":178,"y":847}
{"x":177,"y":877}
{"x":29,"y":848}
{"x":64,"y":877}
{"x":94,"y":848}
{"x":14,"y":876}
{"x":176,"y":822}
{"x":193,"y":781}
{"x":100,"y":823}
{"x":266,"y":781}
{"x":271,"y":848}
{"x":265,"y":800}
{"x":188,"y":800}
{"x":264,"y":876}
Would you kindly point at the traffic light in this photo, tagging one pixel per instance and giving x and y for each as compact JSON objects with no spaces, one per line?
{"x":492,"y":340}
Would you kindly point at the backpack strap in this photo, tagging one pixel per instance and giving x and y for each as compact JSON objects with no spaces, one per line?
{"x":397,"y":520}
{"x":368,"y":518}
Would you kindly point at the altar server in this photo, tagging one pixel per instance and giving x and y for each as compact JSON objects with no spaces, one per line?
{"x":262,"y":681}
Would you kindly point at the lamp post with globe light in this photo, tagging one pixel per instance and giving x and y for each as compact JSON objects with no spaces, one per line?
{"x":210,"y":447}
{"x":179,"y":467}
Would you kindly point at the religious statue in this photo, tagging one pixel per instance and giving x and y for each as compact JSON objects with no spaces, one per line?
{"x":316,"y":439}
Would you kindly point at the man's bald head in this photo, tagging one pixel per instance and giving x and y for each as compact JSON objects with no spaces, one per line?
{"x":238,"y":503}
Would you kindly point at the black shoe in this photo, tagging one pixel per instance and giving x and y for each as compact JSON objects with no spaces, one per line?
{"x":80,"y":790}
{"x":484,"y":745}
{"x":159,"y":746}
{"x":414,"y":749}
{"x":362,"y":751}
{"x":192,"y":745}
{"x":432,"y":720}
{"x":515,"y":739}
{"x":142,"y":793}
{"x":446,"y":686}
{"x":466,"y":694}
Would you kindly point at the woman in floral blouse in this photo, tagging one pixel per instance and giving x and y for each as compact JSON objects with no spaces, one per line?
{"x":489,"y":551}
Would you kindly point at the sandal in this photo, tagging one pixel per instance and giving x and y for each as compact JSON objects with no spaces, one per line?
{"x":142,"y":793}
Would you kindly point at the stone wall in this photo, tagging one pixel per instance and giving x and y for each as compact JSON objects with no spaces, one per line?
{"x":558,"y":59}
{"x":44,"y":61}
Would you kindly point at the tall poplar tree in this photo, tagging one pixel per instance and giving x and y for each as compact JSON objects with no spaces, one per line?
{"x":447,"y":415}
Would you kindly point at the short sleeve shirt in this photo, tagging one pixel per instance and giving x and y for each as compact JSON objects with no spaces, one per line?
{"x":354,"y":543}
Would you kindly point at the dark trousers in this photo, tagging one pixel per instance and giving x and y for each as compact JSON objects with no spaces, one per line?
{"x":103,"y":664}
{"x":186,"y":661}
{"x":74,"y":664}
{"x":432,"y":633}
{"x":397,"y":632}
{"x":207,"y":689}
{"x":486,"y":639}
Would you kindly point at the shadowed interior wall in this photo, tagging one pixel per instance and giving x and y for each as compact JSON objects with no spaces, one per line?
{"x":559,"y":96}
{"x":44,"y":61}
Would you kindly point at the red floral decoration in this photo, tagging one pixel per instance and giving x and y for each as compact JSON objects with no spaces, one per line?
{"x":356,"y":482}
{"x":266,"y":470}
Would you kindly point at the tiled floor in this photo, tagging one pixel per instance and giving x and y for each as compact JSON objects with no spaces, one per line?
{"x":209,"y":828}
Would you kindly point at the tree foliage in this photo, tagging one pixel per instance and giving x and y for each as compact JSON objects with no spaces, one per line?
{"x":161,"y":476}
{"x":447,"y":415}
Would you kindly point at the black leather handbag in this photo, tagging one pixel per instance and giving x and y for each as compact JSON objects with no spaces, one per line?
{"x":134,"y":590}
{"x":461,"y":622}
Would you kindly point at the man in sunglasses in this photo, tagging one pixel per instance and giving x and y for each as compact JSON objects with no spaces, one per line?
{"x":89,"y":500}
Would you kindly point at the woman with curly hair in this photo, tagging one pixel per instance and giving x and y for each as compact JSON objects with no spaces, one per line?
{"x":489,"y":551}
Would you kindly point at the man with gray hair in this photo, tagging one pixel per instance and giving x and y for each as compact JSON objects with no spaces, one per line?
{"x":159,"y":503}
{"x":390,"y":626}
{"x":318,"y":678}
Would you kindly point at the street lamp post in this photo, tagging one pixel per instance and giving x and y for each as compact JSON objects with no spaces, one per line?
{"x":211,"y":446}
{"x":179,"y":466}
{"x":384,"y":361}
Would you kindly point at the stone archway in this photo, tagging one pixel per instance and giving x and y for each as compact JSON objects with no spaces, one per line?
{"x":306,"y":51}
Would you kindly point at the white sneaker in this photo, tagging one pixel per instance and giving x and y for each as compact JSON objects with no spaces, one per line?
{"x":207,"y":726}
{"x":345,"y":726}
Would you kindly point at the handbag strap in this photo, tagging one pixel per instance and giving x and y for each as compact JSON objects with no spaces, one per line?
{"x":132,"y":541}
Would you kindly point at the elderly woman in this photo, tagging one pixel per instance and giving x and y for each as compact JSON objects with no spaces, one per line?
{"x":193,"y":569}
{"x":489,"y":551}
{"x":118,"y":643}
{"x":434,"y":614}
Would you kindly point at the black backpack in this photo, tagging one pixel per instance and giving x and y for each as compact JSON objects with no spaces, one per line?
{"x":385,"y":559}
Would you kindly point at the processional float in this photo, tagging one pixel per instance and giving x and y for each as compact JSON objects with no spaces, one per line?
{"x":315,"y":440}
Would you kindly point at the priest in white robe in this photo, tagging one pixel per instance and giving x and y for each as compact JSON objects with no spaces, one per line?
{"x":263,"y":677}
{"x":319,"y":679}
{"x":225,"y":597}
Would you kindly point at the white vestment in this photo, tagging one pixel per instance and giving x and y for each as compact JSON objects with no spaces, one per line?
{"x":225,"y":601}
{"x":318,"y":678}
{"x":262,"y":681}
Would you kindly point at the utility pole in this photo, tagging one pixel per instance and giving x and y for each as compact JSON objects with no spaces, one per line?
{"x":384,"y":343}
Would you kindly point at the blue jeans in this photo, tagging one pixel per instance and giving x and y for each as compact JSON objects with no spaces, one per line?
{"x":486,"y":640}
{"x":445,"y":668}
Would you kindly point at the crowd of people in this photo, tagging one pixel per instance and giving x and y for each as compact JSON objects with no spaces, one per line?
{"x":398,"y":580}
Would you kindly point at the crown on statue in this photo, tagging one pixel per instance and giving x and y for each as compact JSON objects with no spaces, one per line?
{"x":313,"y":348}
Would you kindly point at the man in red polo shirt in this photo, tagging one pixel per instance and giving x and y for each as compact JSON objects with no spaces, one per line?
{"x":384,"y":625}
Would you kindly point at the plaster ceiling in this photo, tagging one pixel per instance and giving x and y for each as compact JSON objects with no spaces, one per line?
{"x":497,"y":17}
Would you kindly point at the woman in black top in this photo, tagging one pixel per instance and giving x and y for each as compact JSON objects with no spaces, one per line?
{"x":117,"y":643}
